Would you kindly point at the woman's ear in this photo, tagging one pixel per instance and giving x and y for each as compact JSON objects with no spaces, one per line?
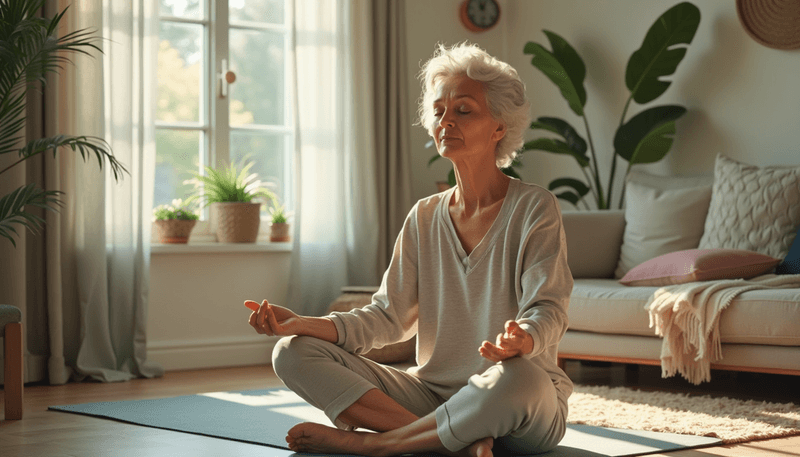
{"x":500,"y":132}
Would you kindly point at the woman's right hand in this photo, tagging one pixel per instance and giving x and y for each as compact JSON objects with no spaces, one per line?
{"x":275,"y":320}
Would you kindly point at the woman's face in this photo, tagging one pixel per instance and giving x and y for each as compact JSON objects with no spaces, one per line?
{"x":463,"y":125}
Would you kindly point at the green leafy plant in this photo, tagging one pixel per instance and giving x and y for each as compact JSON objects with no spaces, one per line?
{"x":451,"y":177}
{"x":645,"y":137}
{"x":29,"y":50}
{"x":179,"y":210}
{"x":278,"y":214}
{"x":231,"y":183}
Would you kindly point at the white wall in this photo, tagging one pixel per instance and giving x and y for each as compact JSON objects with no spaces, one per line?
{"x":743,"y":99}
{"x":196,"y":316}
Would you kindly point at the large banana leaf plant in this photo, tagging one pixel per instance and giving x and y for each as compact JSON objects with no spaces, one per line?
{"x":645,"y":137}
{"x":29,"y":50}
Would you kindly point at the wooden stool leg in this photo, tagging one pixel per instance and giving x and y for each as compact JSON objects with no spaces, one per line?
{"x":13,"y":383}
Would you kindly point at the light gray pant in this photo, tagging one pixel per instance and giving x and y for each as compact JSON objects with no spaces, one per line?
{"x":513,"y":401}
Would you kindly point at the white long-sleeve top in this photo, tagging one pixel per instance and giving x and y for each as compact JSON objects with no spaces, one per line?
{"x":453,"y":301}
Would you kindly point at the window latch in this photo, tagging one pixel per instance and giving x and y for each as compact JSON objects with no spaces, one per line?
{"x":226,"y":77}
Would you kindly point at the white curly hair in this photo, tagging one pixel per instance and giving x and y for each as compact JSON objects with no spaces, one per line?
{"x":504,"y":90}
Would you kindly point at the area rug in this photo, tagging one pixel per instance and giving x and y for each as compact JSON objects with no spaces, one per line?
{"x":730,"y":420}
{"x":264,"y":416}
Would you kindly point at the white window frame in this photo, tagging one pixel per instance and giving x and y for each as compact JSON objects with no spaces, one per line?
{"x":214,"y":110}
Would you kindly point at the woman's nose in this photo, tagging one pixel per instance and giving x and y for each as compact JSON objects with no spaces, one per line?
{"x":446,"y":120}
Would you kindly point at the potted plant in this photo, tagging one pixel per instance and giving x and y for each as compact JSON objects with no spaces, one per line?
{"x":279,"y":230}
{"x":645,"y":137}
{"x":29,"y":50}
{"x":235,"y":198}
{"x":174,"y":223}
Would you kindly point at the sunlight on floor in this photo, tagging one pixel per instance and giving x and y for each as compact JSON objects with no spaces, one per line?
{"x":281,"y":401}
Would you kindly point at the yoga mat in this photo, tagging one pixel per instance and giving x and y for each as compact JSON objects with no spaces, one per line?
{"x":264,"y":416}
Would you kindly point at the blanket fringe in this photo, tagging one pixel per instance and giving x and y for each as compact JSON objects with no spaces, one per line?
{"x":691,"y":342}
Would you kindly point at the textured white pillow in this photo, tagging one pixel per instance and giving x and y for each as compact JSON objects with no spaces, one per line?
{"x":753,"y":208}
{"x":662,"y":215}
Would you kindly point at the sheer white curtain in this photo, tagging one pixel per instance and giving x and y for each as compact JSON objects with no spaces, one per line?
{"x":130,"y":89}
{"x":336,"y":218}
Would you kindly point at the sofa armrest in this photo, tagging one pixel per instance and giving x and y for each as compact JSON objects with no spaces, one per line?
{"x":594,"y":239}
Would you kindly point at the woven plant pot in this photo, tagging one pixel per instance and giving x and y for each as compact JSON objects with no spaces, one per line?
{"x":174,"y":231}
{"x":279,"y":233}
{"x":237,"y":222}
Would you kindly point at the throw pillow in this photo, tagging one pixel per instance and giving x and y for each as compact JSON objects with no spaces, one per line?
{"x":662,"y":215}
{"x":699,"y":265}
{"x":752,"y":208}
{"x":791,"y":264}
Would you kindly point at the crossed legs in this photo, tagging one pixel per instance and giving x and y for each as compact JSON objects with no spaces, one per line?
{"x":357,"y":393}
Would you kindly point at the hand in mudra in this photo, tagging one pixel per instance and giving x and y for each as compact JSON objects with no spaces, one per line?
{"x":274,"y":320}
{"x":514,"y":342}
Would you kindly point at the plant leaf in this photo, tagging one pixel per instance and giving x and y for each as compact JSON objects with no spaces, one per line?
{"x":581,"y":189}
{"x":563,"y":66}
{"x":557,"y":147}
{"x":569,"y":196}
{"x":451,"y":178}
{"x":658,"y":56}
{"x":12,"y":209}
{"x":645,"y":138}
{"x":509,"y":171}
{"x":563,"y":128}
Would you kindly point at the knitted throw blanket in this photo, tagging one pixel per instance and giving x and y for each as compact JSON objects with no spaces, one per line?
{"x":687,"y":317}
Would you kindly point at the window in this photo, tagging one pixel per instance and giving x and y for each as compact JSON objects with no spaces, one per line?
{"x":196,"y":125}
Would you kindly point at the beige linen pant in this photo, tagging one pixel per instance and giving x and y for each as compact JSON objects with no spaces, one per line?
{"x":514,"y":401}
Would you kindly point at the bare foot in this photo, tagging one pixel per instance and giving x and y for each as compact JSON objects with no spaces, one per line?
{"x":481,"y":448}
{"x":320,"y":439}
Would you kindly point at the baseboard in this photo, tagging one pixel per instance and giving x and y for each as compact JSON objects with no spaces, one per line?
{"x":212,"y":352}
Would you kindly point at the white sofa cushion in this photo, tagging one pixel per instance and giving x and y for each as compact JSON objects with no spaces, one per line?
{"x":753,"y":208}
{"x":753,"y":317}
{"x":662,"y":215}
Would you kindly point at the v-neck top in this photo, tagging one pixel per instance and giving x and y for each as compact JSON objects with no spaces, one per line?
{"x":469,"y":261}
{"x":453,"y":301}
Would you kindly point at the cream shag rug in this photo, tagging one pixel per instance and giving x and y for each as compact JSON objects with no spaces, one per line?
{"x":731,"y":420}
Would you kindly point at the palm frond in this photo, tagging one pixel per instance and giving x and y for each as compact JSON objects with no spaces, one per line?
{"x":85,"y":145}
{"x":12,"y":209}
{"x":31,"y":50}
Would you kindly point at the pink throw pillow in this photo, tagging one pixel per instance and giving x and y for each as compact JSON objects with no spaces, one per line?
{"x":699,"y":265}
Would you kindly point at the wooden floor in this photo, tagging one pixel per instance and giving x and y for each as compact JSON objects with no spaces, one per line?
{"x":47,"y":433}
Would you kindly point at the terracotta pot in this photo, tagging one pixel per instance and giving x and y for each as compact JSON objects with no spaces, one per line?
{"x":279,"y":232}
{"x":237,"y":222}
{"x":174,"y":231}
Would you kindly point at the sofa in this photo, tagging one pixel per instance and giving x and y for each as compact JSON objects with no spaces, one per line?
{"x":741,"y":207}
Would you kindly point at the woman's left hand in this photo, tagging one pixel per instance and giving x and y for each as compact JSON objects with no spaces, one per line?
{"x":514,"y":342}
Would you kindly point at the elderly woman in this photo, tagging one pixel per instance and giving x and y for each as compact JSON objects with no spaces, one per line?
{"x":485,"y":257}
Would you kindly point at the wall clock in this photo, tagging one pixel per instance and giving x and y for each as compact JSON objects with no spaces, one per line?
{"x":479,"y":15}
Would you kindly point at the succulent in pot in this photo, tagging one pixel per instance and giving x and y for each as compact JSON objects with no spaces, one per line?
{"x":279,"y":230}
{"x":174,"y":223}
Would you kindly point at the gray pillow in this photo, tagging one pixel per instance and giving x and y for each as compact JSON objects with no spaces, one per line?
{"x":663,"y":214}
{"x":753,"y":208}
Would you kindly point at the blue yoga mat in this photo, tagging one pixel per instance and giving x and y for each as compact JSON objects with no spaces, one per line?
{"x":264,"y":416}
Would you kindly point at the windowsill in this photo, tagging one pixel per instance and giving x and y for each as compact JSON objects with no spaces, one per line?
{"x":209,"y":247}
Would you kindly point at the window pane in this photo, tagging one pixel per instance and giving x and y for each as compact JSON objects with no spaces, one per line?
{"x":271,"y":11}
{"x":268,"y":151}
{"x":180,"y":66}
{"x":177,"y":159}
{"x":192,"y":9}
{"x":257,"y":96}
